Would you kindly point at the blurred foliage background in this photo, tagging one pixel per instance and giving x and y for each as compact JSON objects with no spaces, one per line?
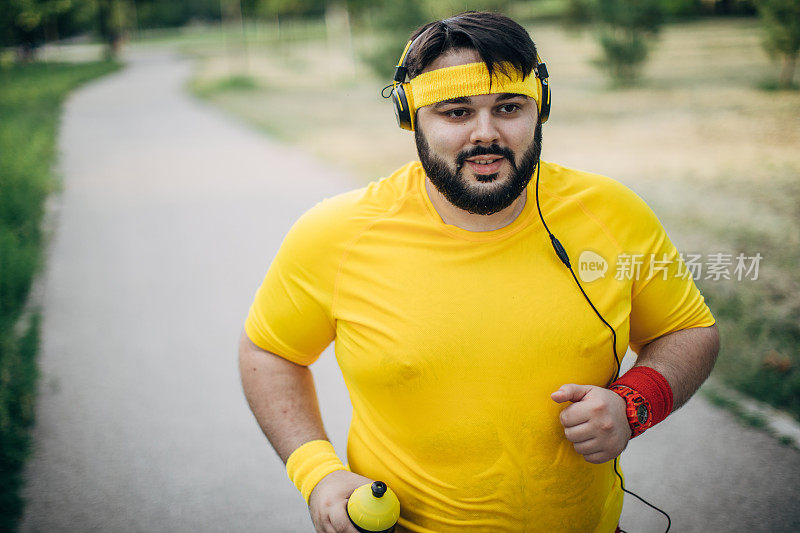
{"x":692,"y":103}
{"x":625,"y":29}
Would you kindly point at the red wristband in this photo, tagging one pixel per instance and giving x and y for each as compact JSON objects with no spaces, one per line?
{"x":653,"y":386}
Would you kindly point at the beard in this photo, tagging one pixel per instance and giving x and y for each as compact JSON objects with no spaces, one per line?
{"x":479,"y":200}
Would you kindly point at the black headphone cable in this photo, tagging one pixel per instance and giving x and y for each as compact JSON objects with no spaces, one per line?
{"x":564,"y":257}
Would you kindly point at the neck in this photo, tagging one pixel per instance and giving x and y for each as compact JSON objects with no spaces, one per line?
{"x":456,"y":216}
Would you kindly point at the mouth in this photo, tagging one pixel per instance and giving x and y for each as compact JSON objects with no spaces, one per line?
{"x":485,"y":164}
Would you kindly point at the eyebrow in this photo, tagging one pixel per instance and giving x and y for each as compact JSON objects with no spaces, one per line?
{"x":508,"y":96}
{"x":467,"y":100}
{"x":459,"y":100}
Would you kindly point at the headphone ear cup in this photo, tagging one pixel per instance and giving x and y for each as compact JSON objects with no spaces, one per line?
{"x":402,"y":111}
{"x":544,"y":109}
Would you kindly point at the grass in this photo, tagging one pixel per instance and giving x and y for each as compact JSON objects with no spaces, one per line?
{"x":215,"y":37}
{"x":701,"y":138}
{"x":747,"y":418}
{"x":30,"y":103}
{"x":747,"y":413}
{"x":229,"y":84}
{"x":18,"y":375}
{"x":758,"y":319}
{"x":289,"y":78}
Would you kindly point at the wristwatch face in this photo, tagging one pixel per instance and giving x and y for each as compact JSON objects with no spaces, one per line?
{"x":642,"y":414}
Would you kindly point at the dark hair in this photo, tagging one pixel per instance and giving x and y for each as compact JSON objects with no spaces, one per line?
{"x":495,"y":37}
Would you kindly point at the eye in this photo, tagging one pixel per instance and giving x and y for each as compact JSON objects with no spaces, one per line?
{"x":456,"y":113}
{"x":508,"y":108}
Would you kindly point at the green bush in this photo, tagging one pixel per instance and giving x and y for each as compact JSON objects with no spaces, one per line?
{"x":625,"y":30}
{"x":623,"y":55}
{"x":227,"y":84}
{"x":781,"y":22}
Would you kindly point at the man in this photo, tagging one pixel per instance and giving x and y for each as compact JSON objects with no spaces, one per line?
{"x":480,"y":375}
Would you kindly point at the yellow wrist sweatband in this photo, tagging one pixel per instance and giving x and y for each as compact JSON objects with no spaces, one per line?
{"x":311,"y":462}
{"x":470,"y":80}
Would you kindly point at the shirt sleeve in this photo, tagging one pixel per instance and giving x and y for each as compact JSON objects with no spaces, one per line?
{"x":291,"y":313}
{"x":664,"y":297}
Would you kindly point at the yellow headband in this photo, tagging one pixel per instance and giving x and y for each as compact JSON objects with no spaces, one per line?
{"x":469,"y":80}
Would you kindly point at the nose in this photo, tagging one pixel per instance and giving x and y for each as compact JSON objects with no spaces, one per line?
{"x":484,"y":130}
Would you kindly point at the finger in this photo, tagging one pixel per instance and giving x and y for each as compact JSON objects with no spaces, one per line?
{"x":340,"y":521}
{"x":570,"y":393}
{"x":588,"y":447}
{"x":598,"y":458}
{"x":346,"y":527}
{"x":580,"y":433}
{"x":326,"y":526}
{"x":574,"y":415}
{"x":559,"y":396}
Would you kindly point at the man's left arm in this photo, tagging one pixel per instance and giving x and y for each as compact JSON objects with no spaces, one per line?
{"x":597,"y":422}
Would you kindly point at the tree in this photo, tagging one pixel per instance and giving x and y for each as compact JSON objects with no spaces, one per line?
{"x":23,"y":23}
{"x":625,"y":30}
{"x":111,"y":18}
{"x":26,"y":24}
{"x":781,"y":22}
{"x":292,"y":8}
{"x":440,"y":10}
{"x":391,"y":22}
{"x":161,"y":14}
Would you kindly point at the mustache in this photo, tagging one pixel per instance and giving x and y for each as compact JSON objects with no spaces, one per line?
{"x":494,"y":149}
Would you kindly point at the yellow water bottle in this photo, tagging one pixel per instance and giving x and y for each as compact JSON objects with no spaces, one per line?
{"x":373,"y":508}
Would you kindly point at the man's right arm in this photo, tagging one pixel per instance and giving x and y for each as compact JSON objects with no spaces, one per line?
{"x":283,"y":399}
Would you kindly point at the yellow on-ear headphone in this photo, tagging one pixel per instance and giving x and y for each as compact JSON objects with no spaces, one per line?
{"x":405,"y":110}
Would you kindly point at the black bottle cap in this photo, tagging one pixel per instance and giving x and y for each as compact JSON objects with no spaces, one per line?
{"x":378,"y":489}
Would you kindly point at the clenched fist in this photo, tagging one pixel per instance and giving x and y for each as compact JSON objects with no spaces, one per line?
{"x":595,"y":422}
{"x":328,"y":501}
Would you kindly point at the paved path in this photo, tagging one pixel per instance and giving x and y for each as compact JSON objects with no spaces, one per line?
{"x":169,"y":217}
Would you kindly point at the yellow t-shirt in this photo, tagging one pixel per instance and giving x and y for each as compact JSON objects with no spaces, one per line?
{"x":451,"y":341}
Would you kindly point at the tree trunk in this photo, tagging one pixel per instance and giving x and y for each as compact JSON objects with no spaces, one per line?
{"x":107,"y":28}
{"x":339,"y":34}
{"x":787,"y":71}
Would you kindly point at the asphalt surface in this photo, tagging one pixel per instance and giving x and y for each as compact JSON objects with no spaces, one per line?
{"x":169,"y":217}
